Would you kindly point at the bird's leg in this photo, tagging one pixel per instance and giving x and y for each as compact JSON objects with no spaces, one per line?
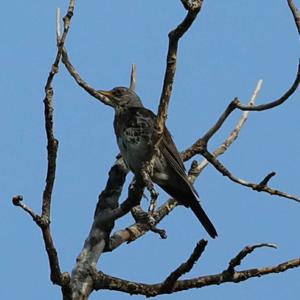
{"x":142,"y":217}
{"x":137,"y":212}
{"x":146,"y":170}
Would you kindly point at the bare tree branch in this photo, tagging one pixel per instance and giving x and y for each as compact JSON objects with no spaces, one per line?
{"x":174,"y":37}
{"x":236,"y":261}
{"x":107,"y":211}
{"x":137,"y":230}
{"x":43,"y":221}
{"x":274,"y":103}
{"x":93,"y":92}
{"x":184,"y":268}
{"x":56,"y":276}
{"x":133,"y":77}
{"x":295,"y":13}
{"x":260,"y":187}
{"x":236,"y":104}
{"x":18,"y":201}
{"x":197,"y":168}
{"x":84,"y":278}
{"x":106,"y":282}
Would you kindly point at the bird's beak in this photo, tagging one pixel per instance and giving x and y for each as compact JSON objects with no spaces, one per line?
{"x":109,"y":96}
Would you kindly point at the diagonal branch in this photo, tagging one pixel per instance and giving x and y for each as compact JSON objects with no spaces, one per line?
{"x":197,"y":168}
{"x":137,"y":230}
{"x":174,"y":37}
{"x":274,"y":103}
{"x":260,"y":187}
{"x":236,"y":104}
{"x":93,"y":92}
{"x":184,"y":268}
{"x":107,"y":211}
{"x":295,"y":13}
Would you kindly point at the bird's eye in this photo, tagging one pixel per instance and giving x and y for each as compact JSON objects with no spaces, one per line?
{"x":117,"y":93}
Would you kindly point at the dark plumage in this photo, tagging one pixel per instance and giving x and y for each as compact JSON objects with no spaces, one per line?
{"x":134,"y":128}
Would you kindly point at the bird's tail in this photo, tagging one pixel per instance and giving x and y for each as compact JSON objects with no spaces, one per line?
{"x":188,"y":197}
{"x":203,"y":218}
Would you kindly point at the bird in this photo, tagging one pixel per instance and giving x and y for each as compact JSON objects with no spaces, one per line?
{"x":134,"y":127}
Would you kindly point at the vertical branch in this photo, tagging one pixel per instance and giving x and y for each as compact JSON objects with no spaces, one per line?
{"x":133,"y":77}
{"x":174,"y":36}
{"x":52,"y":142}
{"x":52,"y":146}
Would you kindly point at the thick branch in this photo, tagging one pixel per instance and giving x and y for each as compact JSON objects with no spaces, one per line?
{"x":107,"y":211}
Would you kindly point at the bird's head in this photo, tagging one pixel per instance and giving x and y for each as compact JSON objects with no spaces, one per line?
{"x":120,"y":97}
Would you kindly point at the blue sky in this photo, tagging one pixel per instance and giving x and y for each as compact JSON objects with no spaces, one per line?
{"x":231,"y":46}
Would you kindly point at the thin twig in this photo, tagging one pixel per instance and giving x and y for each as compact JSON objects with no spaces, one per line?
{"x":58,"y":25}
{"x":236,"y":104}
{"x":133,"y":77}
{"x":56,"y":276}
{"x":256,"y":187}
{"x":295,"y":13}
{"x":272,"y":104}
{"x":93,"y":92}
{"x":18,"y":201}
{"x":199,"y":167}
{"x":48,"y":101}
{"x":43,"y":221}
{"x":174,"y":37}
{"x":236,"y":261}
{"x":185,"y":267}
{"x":138,"y":229}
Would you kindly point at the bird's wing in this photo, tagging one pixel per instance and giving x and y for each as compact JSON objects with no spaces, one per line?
{"x":166,"y":146}
{"x":170,"y":151}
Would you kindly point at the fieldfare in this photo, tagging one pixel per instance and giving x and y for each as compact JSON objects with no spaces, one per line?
{"x":134,"y":128}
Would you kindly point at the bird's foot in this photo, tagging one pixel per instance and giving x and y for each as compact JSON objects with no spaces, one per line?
{"x":148,"y":219}
{"x":153,"y":202}
{"x":150,"y":187}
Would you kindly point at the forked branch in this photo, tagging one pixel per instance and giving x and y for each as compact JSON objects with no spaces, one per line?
{"x":106,"y":282}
